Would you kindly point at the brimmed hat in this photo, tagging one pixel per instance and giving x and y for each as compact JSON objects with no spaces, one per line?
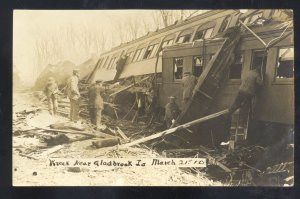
{"x":172,"y":97}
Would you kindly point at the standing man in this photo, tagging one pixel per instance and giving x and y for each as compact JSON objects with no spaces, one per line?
{"x":119,"y":66}
{"x":74,"y":95}
{"x":189,"y":82}
{"x":171,"y":112}
{"x":51,"y":91}
{"x":96,"y":103}
{"x":248,"y":89}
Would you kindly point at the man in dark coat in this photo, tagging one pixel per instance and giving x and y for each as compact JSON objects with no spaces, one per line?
{"x":51,"y":91}
{"x":249,"y":86}
{"x":171,"y":112}
{"x":96,"y":103}
{"x":119,"y":66}
{"x":74,"y":95}
{"x":189,"y":82}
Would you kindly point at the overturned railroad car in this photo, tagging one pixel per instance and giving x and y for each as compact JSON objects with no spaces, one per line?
{"x":241,"y":41}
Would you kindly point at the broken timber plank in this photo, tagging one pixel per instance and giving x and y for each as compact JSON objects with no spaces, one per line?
{"x":122,"y":134}
{"x":47,"y":152}
{"x":127,"y":87}
{"x":254,"y":34}
{"x":67,"y":131}
{"x":170,"y":131}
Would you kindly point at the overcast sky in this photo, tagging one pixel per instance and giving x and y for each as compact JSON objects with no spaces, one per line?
{"x":30,"y":26}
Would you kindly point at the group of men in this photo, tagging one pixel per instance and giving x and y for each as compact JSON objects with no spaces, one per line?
{"x":251,"y":81}
{"x":95,"y":104}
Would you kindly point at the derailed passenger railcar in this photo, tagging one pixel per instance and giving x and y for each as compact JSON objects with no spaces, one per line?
{"x":190,"y":45}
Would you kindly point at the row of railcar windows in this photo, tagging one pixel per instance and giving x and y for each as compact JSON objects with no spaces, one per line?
{"x":151,"y":50}
{"x":284,"y":67}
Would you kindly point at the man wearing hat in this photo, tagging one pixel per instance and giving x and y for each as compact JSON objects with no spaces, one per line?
{"x":51,"y":91}
{"x":74,"y":95}
{"x":251,"y":82}
{"x":189,"y":82}
{"x":171,"y":111}
{"x":96,"y":103}
{"x":119,"y":66}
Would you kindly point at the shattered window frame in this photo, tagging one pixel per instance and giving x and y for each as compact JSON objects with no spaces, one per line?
{"x":225,"y":24}
{"x":203,"y":34}
{"x":104,"y":63}
{"x":185,"y":36}
{"x":206,"y":36}
{"x":238,"y":63}
{"x":279,"y":63}
{"x":109,"y":63}
{"x":151,"y":50}
{"x":258,"y":53}
{"x":100,"y":62}
{"x":112,"y":63}
{"x":154,"y":50}
{"x":130,"y":56}
{"x":148,"y":52}
{"x":142,"y":52}
{"x":177,"y":69}
{"x":136,"y":55}
{"x":166,"y":43}
{"x":200,"y":66}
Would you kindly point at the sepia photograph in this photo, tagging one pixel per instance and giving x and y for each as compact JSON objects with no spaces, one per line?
{"x":153,"y":98}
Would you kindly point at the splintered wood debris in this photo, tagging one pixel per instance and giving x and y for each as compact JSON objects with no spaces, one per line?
{"x":35,"y":142}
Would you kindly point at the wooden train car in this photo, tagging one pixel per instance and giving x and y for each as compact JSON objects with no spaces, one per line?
{"x":190,"y":45}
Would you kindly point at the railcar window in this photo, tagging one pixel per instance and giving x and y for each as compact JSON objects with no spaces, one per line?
{"x":154,"y":50}
{"x":109,"y":63}
{"x":129,"y":56}
{"x":136,"y":55}
{"x":208,"y":33}
{"x":259,"y":59}
{"x":141,"y":54}
{"x":106,"y":59}
{"x":235,"y":70}
{"x":198,"y":65}
{"x":113,"y":63}
{"x":166,"y":43}
{"x":99,"y":63}
{"x":199,"y":35}
{"x":178,"y":68}
{"x":150,"y":52}
{"x":224,"y":24}
{"x":203,"y":34}
{"x":184,"y":38}
{"x":285,"y":63}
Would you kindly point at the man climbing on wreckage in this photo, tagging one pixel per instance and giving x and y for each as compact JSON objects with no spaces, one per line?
{"x":51,"y":91}
{"x":171,"y":112}
{"x":96,"y":103}
{"x":189,"y":81}
{"x":74,"y":95}
{"x":248,"y":89}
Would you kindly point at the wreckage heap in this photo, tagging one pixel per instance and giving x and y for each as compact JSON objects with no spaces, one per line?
{"x":134,"y":99}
